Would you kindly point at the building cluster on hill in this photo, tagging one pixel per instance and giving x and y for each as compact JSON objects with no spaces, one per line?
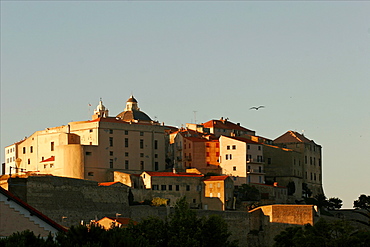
{"x":205,"y":161}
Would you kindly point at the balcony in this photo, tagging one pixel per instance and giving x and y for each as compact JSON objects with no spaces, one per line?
{"x":255,"y":160}
{"x":179,"y":158}
{"x":255,"y":171}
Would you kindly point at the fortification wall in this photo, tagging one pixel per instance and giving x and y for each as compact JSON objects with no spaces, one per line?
{"x":69,"y":201}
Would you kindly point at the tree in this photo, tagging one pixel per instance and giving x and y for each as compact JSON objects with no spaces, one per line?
{"x":363,"y":202}
{"x":323,"y":233}
{"x":335,"y":203}
{"x":27,"y":239}
{"x":248,"y":193}
{"x":306,"y":192}
{"x":321,"y":201}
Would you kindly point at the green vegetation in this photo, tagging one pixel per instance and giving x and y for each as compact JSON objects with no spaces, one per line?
{"x":363,"y":202}
{"x":158,"y":202}
{"x":181,"y":229}
{"x":323,"y":234}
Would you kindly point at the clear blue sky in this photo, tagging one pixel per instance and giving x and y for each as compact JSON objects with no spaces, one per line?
{"x":307,"y":62}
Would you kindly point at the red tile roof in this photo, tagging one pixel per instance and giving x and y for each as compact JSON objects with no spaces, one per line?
{"x":216,"y":178}
{"x":108,"y":183}
{"x":243,"y":139}
{"x":122,"y":220}
{"x":292,"y":137}
{"x":171,"y":174}
{"x":196,"y":139}
{"x":224,"y":124}
{"x":52,"y":158}
{"x":32,"y":210}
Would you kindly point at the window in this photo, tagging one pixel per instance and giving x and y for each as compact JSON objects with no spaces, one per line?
{"x":228,"y":147}
{"x":234,"y":146}
{"x":305,"y":159}
{"x":29,"y":161}
{"x":155,"y":187}
{"x":210,"y":195}
{"x":155,"y":155}
{"x":141,"y":155}
{"x":259,"y":169}
{"x":259,"y":158}
{"x":52,"y":146}
{"x":217,"y":145}
{"x":314,"y":176}
{"x":111,"y":141}
{"x":42,"y":158}
{"x":311,"y":175}
{"x":177,"y":187}
{"x":217,"y":154}
{"x":210,"y":185}
{"x":189,"y":145}
{"x":110,"y":153}
{"x":90,"y":130}
{"x":187,"y":187}
{"x":156,"y":166}
{"x":7,"y":160}
{"x":141,"y":133}
{"x":234,"y":168}
{"x":269,"y":161}
{"x":163,"y":187}
{"x":259,"y":147}
{"x":248,"y":147}
{"x":314,"y":161}
{"x":31,"y":149}
{"x":199,"y":187}
{"x":194,"y":200}
{"x":155,"y":144}
{"x":88,"y":153}
{"x":110,"y":163}
{"x":218,"y":185}
{"x":170,"y":187}
{"x":227,"y":156}
{"x":126,"y":154}
{"x":24,"y":150}
{"x":231,"y":156}
{"x":310,"y":160}
{"x":45,"y":166}
{"x":51,"y":165}
{"x":110,"y":131}
{"x":126,"y":142}
{"x":207,"y":154}
{"x":126,"y":164}
{"x":90,"y":174}
{"x":126,"y":132}
{"x":141,"y":143}
{"x":141,"y":165}
{"x":218,"y":195}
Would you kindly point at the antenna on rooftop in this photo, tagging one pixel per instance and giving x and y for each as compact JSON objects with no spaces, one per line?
{"x":195,"y":117}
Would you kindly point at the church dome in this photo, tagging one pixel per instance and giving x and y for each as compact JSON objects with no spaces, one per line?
{"x":132,"y":112}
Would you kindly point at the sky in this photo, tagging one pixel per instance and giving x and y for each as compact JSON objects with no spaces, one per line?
{"x":307,"y":62}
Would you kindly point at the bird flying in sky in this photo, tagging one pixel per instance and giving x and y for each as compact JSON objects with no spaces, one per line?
{"x":256,"y":107}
